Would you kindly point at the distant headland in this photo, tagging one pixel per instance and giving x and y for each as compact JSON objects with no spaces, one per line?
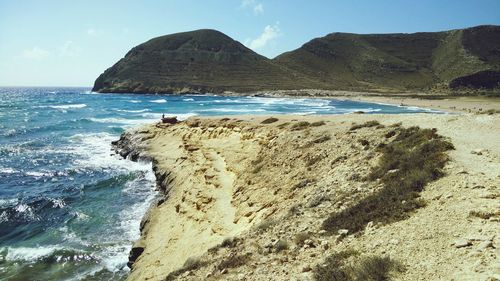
{"x":208,"y":61}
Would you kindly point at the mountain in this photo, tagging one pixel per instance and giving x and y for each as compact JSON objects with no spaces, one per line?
{"x":197,"y":61}
{"x":209,"y":61}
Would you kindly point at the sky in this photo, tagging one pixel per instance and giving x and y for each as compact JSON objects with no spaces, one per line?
{"x":70,"y":43}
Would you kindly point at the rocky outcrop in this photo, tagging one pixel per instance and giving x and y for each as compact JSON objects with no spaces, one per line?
{"x":247,"y":198}
{"x":208,"y":61}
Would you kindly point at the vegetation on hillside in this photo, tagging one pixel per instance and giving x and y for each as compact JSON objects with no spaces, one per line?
{"x":210,"y":61}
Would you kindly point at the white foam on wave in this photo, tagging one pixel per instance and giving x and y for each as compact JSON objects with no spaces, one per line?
{"x":93,"y":151}
{"x":159,"y":101}
{"x":29,"y":253}
{"x":8,"y":171}
{"x":223,"y":109}
{"x":304,"y":113}
{"x":68,"y":106}
{"x":10,"y":133}
{"x":134,"y":111}
{"x":188,"y":99}
{"x":123,"y":121}
{"x":7,"y":202}
{"x":134,"y":101}
{"x":26,"y":211}
{"x":37,"y":174}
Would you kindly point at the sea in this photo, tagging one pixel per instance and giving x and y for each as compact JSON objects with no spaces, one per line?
{"x":70,"y":208}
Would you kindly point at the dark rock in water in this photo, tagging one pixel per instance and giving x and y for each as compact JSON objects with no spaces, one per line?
{"x":135,"y":252}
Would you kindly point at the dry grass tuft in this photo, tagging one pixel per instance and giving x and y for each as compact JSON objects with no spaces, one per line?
{"x":233,"y":261}
{"x":300,"y":126}
{"x":346,"y":266}
{"x":269,"y":120}
{"x":191,"y":264}
{"x":367,"y":124}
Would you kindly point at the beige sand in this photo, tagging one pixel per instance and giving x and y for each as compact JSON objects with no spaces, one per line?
{"x":236,"y":177}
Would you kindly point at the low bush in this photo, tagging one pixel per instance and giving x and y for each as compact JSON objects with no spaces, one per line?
{"x":269,"y":120}
{"x":367,"y":124}
{"x":191,"y":264}
{"x":414,"y":158}
{"x":300,"y":126}
{"x":318,"y":123}
{"x":233,"y":261}
{"x":346,"y":266}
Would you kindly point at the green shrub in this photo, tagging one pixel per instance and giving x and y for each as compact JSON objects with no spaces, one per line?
{"x":414,"y":158}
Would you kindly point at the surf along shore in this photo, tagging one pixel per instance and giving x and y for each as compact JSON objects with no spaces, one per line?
{"x":300,"y":197}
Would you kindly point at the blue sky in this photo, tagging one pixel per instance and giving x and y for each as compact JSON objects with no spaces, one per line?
{"x":69,"y":43}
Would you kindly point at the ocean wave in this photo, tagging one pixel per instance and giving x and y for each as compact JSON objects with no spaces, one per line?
{"x":8,"y":202}
{"x":8,"y":171}
{"x":159,"y":101}
{"x":29,"y":253}
{"x":10,"y":133}
{"x":45,"y":173}
{"x":68,"y":106}
{"x":134,"y":101}
{"x":26,"y":212}
{"x":188,"y":99}
{"x":52,"y":253}
{"x":92,"y":152}
{"x":222,"y":109}
{"x":304,"y":113}
{"x":123,"y":121}
{"x":57,"y":203}
{"x":134,"y":111}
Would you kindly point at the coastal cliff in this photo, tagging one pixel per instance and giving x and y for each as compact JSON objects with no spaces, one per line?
{"x":208,"y":61}
{"x":292,"y":198}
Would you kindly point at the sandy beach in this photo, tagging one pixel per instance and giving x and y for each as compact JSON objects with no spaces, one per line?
{"x":235,"y":188}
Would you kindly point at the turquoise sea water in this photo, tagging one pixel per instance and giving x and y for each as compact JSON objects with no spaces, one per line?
{"x":69,"y":209}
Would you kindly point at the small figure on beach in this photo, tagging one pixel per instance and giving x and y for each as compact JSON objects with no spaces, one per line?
{"x":163,"y":116}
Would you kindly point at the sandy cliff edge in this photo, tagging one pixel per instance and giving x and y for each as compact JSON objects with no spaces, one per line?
{"x":244,"y":185}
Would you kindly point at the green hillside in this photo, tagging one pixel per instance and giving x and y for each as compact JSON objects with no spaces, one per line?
{"x":209,"y":61}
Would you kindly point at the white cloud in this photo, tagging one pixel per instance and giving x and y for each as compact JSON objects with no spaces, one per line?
{"x":91,"y":31}
{"x":269,"y":33}
{"x":257,"y":8}
{"x":35,"y":53}
{"x":69,"y":49}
